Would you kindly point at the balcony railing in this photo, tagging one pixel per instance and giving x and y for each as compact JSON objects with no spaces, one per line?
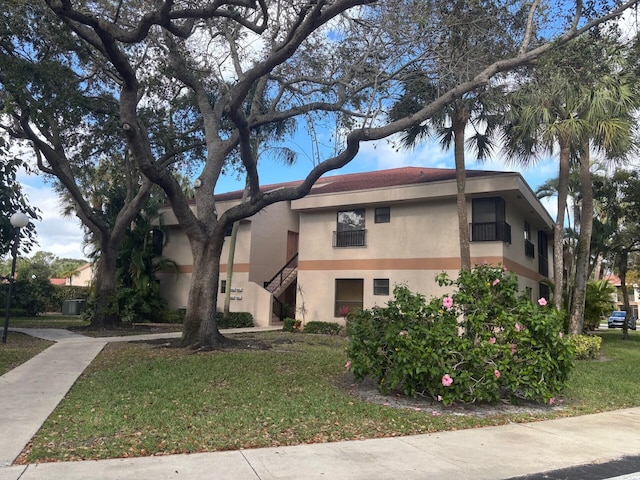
{"x":529,"y":249}
{"x":490,"y":232}
{"x":350,"y":238}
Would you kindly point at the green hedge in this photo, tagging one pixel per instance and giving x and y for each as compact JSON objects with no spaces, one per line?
{"x":236,"y":320}
{"x":60,"y":293}
{"x":170,"y":316}
{"x":291,"y":325}
{"x":327,"y":328}
{"x":35,"y":296}
{"x":586,"y":346}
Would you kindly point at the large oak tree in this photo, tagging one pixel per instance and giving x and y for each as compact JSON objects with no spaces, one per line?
{"x":244,"y":64}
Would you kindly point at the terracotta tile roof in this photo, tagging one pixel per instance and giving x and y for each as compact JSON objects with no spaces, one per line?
{"x":370,"y":180}
{"x":614,"y":280}
{"x":58,"y":281}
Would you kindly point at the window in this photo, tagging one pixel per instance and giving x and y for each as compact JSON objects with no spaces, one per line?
{"x":381,"y":286}
{"x":157,"y":241}
{"x":350,"y":230}
{"x":223,"y":286}
{"x":488,"y":220}
{"x":349,"y":294}
{"x":544,"y":291}
{"x":383,"y":215}
{"x":529,"y":249}
{"x":228,"y":229}
{"x":543,"y":249}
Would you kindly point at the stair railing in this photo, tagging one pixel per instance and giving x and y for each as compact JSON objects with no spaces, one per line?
{"x":293,"y":263}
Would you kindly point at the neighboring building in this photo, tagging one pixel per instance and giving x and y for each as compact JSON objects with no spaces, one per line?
{"x":633,"y":291}
{"x":355,"y":236}
{"x":81,"y":278}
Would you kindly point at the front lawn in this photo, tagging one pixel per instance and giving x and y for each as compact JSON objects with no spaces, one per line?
{"x":610,"y":382}
{"x":139,"y":399}
{"x":48,"y":321}
{"x":18,"y":349}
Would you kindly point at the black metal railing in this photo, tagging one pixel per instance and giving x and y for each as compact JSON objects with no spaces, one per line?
{"x":490,"y":232}
{"x":350,"y":238}
{"x":278,"y":309}
{"x":529,"y":249}
{"x":280,"y":277}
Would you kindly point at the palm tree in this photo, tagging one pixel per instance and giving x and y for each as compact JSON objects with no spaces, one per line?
{"x":609,"y":98}
{"x":449,"y":126}
{"x":480,"y":29}
{"x":598,"y":302}
{"x":540,"y":121}
{"x":567,"y":102}
{"x":622,"y":215}
{"x":570,"y":233}
{"x":138,"y":295}
{"x":573,"y":100}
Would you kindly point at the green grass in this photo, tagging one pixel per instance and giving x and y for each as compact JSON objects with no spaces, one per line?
{"x":75,"y":321}
{"x":611,"y":382}
{"x":48,"y":321}
{"x":136,"y":399}
{"x":18,"y":349}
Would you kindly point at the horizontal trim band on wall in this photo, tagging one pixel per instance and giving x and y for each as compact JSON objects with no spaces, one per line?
{"x":437,"y":264}
{"x":452,"y":263}
{"x":237,"y":267}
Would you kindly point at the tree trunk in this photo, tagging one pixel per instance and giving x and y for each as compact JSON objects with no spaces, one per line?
{"x":597,"y":269}
{"x":622,"y":268}
{"x":576,"y":319}
{"x":105,"y":312}
{"x":231,"y":257}
{"x":459,"y":123}
{"x":200,"y":325}
{"x":558,"y":230}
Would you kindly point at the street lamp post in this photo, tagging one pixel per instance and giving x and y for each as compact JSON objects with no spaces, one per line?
{"x":18,"y":220}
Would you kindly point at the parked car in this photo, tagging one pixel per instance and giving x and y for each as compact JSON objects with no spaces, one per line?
{"x":616,"y":320}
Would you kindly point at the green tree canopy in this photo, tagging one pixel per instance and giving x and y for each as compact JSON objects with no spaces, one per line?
{"x":13,"y":200}
{"x":227,"y":69}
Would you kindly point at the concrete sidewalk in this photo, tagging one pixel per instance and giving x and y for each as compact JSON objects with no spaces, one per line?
{"x":30,"y":392}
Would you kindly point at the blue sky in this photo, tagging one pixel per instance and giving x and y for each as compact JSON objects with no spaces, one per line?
{"x":63,"y":236}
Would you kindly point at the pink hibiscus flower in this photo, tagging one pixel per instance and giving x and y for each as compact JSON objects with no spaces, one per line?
{"x":447,"y":380}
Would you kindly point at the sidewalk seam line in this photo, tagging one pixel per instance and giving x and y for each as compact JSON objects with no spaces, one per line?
{"x":249,"y":463}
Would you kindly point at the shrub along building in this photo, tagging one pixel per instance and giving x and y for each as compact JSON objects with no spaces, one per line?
{"x":346,"y":244}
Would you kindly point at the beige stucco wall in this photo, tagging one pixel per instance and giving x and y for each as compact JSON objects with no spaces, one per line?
{"x":261,"y":250}
{"x":318,"y":289}
{"x":84,"y":276}
{"x":174,"y":288}
{"x":419,"y":242}
{"x":269,"y":240}
{"x":384,"y":240}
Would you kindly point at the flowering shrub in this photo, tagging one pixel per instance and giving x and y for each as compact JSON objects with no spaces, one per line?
{"x":586,"y":346}
{"x":482,"y":343}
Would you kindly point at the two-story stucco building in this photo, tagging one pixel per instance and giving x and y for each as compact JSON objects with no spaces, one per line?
{"x":355,"y":236}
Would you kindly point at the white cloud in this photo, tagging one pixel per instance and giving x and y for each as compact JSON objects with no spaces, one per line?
{"x":383,"y":154}
{"x":55,"y":233}
{"x":628,"y":24}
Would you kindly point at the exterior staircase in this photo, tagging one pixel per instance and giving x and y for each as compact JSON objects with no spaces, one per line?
{"x":285,"y":277}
